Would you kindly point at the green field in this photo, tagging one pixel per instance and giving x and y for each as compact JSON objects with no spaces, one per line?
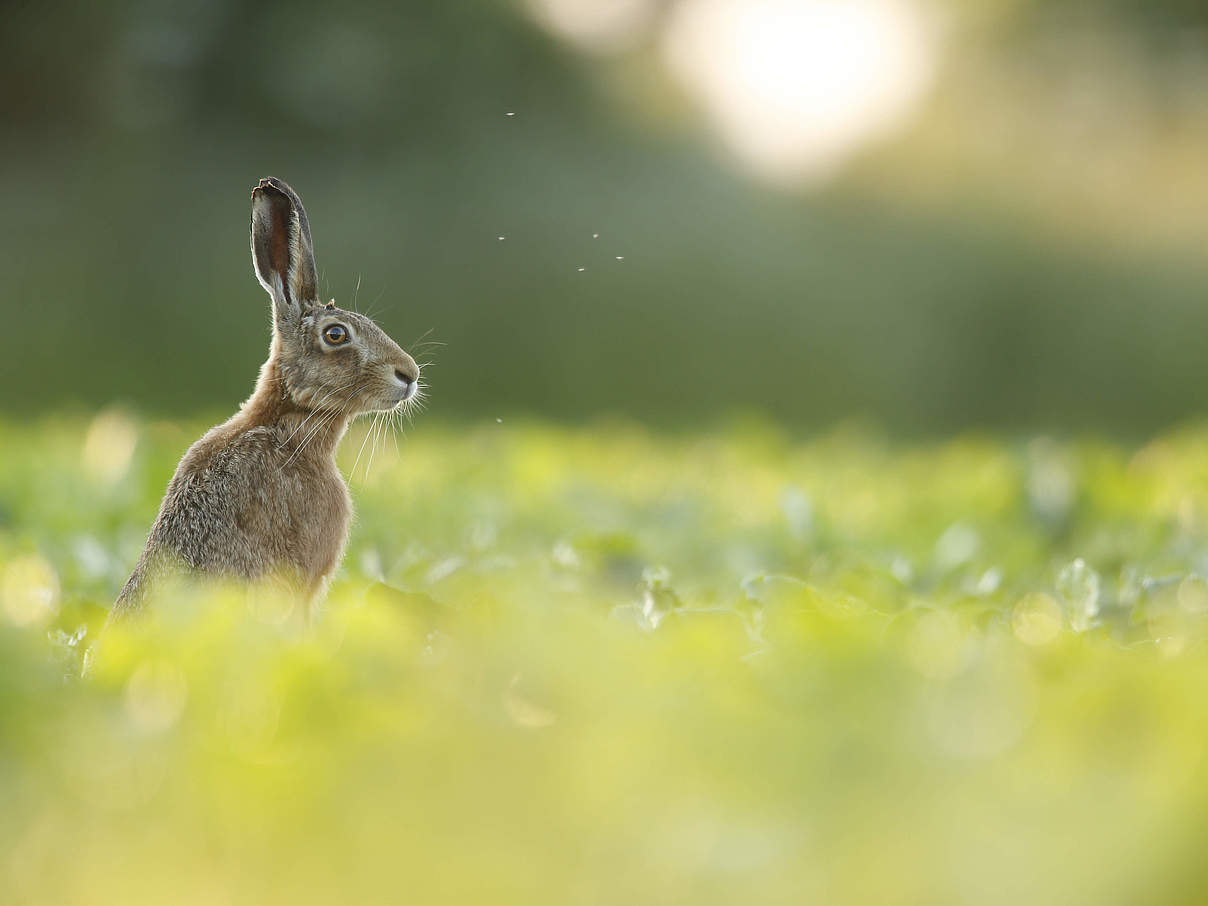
{"x":602,"y":666}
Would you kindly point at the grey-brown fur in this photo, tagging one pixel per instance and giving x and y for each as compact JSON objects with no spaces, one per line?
{"x":260,"y":496}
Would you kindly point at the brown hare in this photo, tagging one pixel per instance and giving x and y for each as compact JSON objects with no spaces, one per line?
{"x":260,"y":496}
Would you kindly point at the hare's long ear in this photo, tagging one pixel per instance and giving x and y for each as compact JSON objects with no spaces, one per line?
{"x":281,"y":248}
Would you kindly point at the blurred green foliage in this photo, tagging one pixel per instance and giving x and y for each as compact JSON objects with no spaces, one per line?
{"x":597,"y":665}
{"x":1007,"y":261}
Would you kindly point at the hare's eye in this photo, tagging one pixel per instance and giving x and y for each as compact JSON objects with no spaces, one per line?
{"x":336,"y":334}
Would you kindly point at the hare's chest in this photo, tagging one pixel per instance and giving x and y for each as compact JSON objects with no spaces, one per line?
{"x":321,"y":528}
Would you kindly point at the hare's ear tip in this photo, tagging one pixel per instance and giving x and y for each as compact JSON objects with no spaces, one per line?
{"x":268,"y":182}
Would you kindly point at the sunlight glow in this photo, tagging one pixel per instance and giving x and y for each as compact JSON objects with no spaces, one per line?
{"x":109,"y":446}
{"x":29,"y":591}
{"x":596,"y":25}
{"x":796,"y":86}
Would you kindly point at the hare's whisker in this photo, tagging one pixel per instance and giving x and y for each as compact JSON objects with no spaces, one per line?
{"x":369,"y":438}
{"x":377,"y":426}
{"x":422,"y":340}
{"x":316,"y":411}
{"x":318,"y":408}
{"x":394,"y":429}
{"x":360,"y":450}
{"x":326,"y":419}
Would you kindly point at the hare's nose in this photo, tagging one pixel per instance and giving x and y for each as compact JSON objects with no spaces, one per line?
{"x":409,"y":382}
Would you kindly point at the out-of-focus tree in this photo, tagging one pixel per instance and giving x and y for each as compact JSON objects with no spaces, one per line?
{"x":1001,"y":228}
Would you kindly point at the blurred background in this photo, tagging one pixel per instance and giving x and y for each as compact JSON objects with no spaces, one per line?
{"x":931,"y":214}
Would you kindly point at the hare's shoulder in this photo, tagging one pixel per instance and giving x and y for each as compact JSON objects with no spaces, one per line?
{"x":259,"y":467}
{"x":217,"y":477}
{"x":237,"y":505}
{"x":222,"y":454}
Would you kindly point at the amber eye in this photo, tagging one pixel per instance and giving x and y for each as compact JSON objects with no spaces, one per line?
{"x":335,"y":334}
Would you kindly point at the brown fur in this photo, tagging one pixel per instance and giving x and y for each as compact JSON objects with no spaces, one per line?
{"x":260,"y":496}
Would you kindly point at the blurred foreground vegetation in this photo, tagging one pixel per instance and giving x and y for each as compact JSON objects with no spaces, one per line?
{"x":600,"y":666}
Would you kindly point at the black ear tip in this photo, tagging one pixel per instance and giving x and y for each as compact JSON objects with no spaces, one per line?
{"x":269,"y":185}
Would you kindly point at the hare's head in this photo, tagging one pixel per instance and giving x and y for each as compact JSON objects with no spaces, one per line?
{"x":328,"y":358}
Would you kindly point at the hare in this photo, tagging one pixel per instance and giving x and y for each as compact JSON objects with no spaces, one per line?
{"x":260,"y":496}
